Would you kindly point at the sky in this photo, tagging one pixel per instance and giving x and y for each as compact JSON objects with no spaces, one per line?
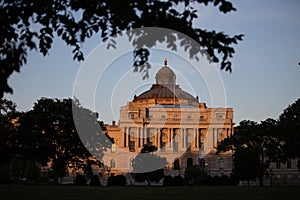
{"x":264,"y":81}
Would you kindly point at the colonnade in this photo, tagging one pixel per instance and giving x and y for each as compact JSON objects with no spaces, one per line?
{"x":172,"y":138}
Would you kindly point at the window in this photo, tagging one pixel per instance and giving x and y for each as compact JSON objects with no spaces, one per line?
{"x":147,"y":113}
{"x":289,"y":164}
{"x":175,"y":146}
{"x":189,"y":117}
{"x":289,"y":176}
{"x":189,"y":162}
{"x":219,"y":117}
{"x":162,"y":146}
{"x":278,"y":165}
{"x":201,"y":118}
{"x":163,"y":116}
{"x":113,"y":148}
{"x":131,"y":116}
{"x":112,"y":163}
{"x":132,"y":146}
{"x":176,"y":164}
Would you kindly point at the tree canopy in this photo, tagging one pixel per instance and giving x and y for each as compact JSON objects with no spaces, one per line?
{"x":148,"y":166}
{"x":33,"y":25}
{"x":256,"y":145}
{"x":47,"y":134}
{"x":289,"y":122}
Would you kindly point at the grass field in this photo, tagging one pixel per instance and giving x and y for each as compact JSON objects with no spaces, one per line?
{"x":52,"y":192}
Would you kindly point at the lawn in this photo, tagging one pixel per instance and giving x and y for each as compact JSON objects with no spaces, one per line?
{"x":52,"y":192}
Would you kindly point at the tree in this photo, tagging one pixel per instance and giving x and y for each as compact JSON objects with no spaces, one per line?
{"x":52,"y":135}
{"x":7,"y":129}
{"x":148,"y":166}
{"x":119,"y":180}
{"x":255,"y":147}
{"x":73,"y":21}
{"x":80,"y":180}
{"x":95,"y":181}
{"x":195,"y":175}
{"x":289,"y":123}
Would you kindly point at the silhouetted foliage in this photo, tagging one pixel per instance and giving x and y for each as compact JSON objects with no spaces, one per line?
{"x":47,"y":133}
{"x":256,"y":146}
{"x":144,"y":163}
{"x":80,"y":180}
{"x":32,"y":172}
{"x":7,"y":136}
{"x":289,"y":123}
{"x":173,"y":181}
{"x":5,"y":177}
{"x":168,"y":181}
{"x":195,"y":175}
{"x":119,"y":180}
{"x":32,"y":25}
{"x":95,"y":181}
{"x":178,"y":180}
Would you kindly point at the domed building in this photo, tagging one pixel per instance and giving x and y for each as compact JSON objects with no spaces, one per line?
{"x":184,"y":130}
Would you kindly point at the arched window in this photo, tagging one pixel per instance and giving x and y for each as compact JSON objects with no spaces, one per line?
{"x":176,"y":164}
{"x":278,"y":165}
{"x":189,"y":162}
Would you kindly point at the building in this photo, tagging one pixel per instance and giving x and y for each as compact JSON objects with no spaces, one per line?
{"x":184,"y":130}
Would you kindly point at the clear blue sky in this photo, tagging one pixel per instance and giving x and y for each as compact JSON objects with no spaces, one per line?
{"x":265,"y":78}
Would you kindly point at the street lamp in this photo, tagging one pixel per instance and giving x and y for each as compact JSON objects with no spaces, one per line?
{"x":206,"y":167}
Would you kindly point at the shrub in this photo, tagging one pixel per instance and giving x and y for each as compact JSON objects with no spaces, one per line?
{"x":119,"y":180}
{"x":168,"y":181}
{"x":178,"y":181}
{"x":4,"y":174}
{"x":80,"y":180}
{"x":95,"y":181}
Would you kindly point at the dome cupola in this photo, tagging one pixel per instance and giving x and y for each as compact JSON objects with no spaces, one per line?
{"x":165,"y":76}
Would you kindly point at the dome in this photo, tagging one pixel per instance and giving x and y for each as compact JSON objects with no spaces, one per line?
{"x":166,"y":87}
{"x":166,"y":71}
{"x":165,"y":76}
{"x":160,"y":91}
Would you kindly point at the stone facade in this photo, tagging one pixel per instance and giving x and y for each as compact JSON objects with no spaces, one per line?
{"x":184,"y":130}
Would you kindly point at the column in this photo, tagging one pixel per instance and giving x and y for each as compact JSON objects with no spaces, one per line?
{"x":199,"y":137}
{"x":143,"y":136}
{"x":139,"y":137}
{"x":154,"y":137}
{"x":183,"y":139}
{"x":171,"y":138}
{"x":213,"y":137}
{"x":125,"y":138}
{"x":159,"y":138}
{"x":196,"y":138}
{"x":128,"y":134}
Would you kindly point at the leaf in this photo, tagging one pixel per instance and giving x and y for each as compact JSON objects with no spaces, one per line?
{"x":60,"y":31}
